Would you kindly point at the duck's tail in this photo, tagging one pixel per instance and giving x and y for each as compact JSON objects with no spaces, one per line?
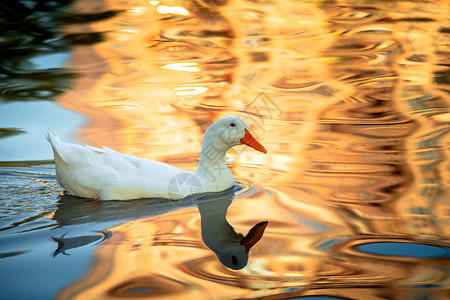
{"x":50,"y":136}
{"x":56,"y":145}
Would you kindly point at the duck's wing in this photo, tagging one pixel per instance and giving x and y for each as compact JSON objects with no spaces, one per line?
{"x":137,"y":166}
{"x":140,"y":178}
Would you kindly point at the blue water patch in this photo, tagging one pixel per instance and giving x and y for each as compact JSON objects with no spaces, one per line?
{"x":140,"y":290}
{"x":316,"y":298}
{"x":29,"y":117}
{"x":50,"y":61}
{"x":415,"y":250}
{"x":325,"y":246}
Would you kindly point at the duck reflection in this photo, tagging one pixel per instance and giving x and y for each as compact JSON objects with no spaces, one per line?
{"x":232,"y":248}
{"x":65,"y":244}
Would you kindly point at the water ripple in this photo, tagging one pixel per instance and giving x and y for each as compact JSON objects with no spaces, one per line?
{"x":350,"y":99}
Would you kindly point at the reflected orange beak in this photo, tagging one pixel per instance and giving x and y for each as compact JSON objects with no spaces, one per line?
{"x":250,"y":141}
{"x":253,"y":236}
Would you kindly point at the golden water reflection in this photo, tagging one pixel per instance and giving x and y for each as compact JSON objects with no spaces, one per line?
{"x":351,"y":101}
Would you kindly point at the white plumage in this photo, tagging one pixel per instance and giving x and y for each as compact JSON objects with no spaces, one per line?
{"x":106,"y":174}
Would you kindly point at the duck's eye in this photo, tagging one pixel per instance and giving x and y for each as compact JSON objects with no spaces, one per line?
{"x":232,"y":124}
{"x":234,"y":260}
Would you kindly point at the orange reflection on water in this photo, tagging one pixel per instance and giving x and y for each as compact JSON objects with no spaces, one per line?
{"x":164,"y":257}
{"x":349,"y":100}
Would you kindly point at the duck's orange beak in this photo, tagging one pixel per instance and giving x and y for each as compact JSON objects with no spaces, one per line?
{"x":250,"y":141}
{"x":253,"y":236}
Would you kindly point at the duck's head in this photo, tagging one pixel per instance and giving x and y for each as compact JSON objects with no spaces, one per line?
{"x":234,"y":255}
{"x":229,"y":132}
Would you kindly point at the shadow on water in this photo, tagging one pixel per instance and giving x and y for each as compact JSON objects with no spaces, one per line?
{"x":6,"y":132}
{"x":231,"y":248}
{"x":65,"y":244}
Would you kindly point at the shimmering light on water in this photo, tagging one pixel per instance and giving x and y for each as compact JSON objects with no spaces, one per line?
{"x":176,"y":10}
{"x":186,"y":67}
{"x":349,"y":97}
{"x":190,"y":90}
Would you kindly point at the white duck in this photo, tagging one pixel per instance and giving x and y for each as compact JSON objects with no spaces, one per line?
{"x":106,"y":174}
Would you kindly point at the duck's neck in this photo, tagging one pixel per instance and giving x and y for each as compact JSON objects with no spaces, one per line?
{"x":212,"y":168}
{"x":217,"y":231}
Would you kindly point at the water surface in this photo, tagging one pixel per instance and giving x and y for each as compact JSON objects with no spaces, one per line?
{"x":349,"y":97}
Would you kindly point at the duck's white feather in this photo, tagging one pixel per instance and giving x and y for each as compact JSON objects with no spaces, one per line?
{"x":92,"y":172}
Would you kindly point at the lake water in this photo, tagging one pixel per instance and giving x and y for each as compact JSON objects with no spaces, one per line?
{"x":350,"y":98}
